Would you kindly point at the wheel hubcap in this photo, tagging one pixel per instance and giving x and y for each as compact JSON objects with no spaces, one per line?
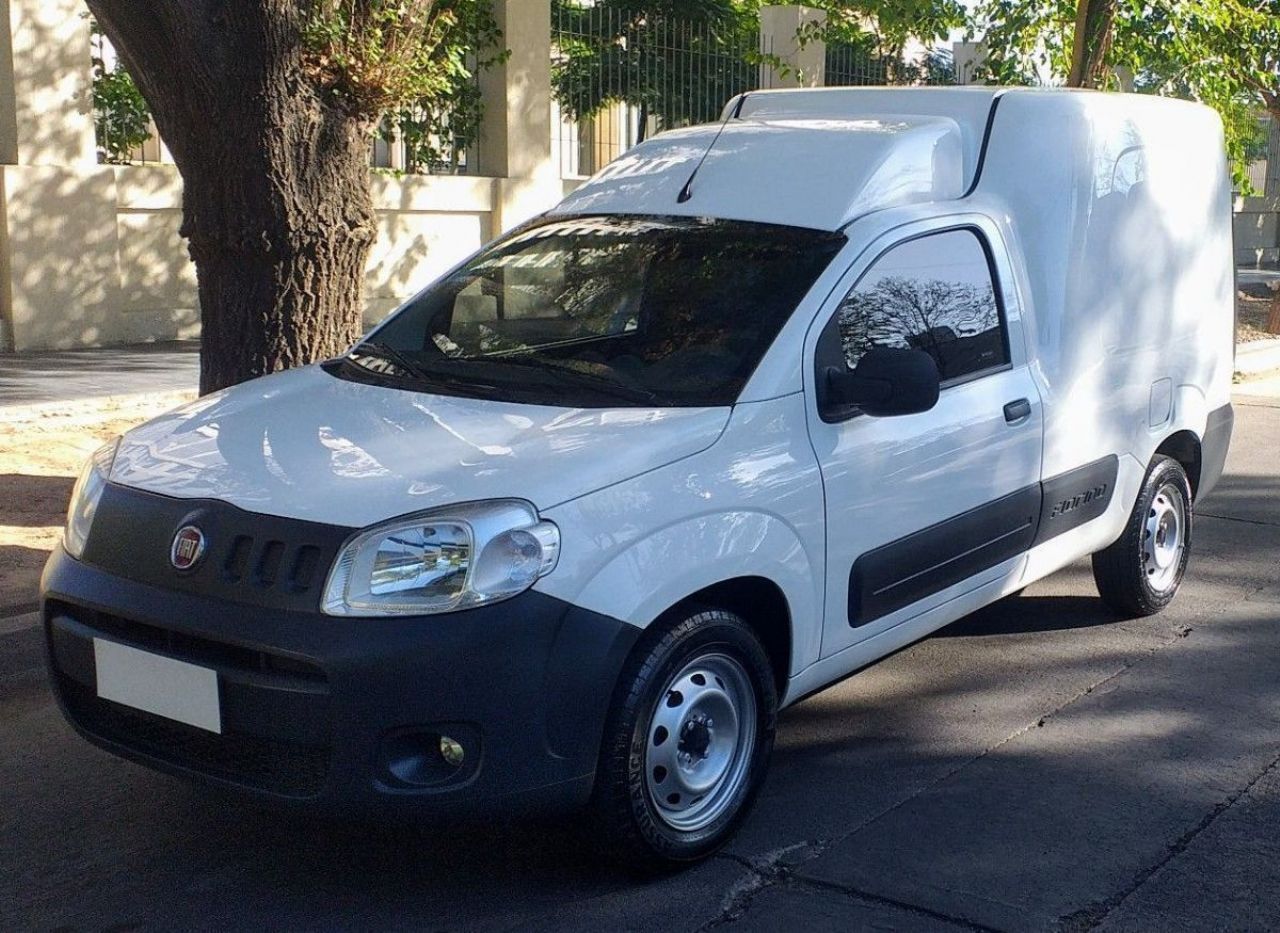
{"x":1164,"y":538}
{"x":700,"y":740}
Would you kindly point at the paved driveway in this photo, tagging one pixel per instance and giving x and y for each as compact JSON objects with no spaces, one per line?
{"x":1038,"y":765}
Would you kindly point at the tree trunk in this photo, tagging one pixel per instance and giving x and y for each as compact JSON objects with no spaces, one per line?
{"x":1092,"y":43}
{"x":280,"y":245}
{"x":1273,"y":319}
{"x":276,"y":204}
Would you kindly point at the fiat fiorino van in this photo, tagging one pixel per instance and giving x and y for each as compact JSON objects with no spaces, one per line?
{"x":758,"y":404}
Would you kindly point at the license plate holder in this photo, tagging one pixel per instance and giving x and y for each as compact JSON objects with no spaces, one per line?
{"x":166,"y":687}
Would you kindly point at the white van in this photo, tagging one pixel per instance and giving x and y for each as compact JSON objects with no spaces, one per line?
{"x":758,"y":404}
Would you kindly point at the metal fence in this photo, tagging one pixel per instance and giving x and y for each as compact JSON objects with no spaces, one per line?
{"x":619,"y":76}
{"x":848,"y":65}
{"x":420,"y":142}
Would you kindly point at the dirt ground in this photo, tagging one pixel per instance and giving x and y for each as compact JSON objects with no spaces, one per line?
{"x":42,"y":448}
{"x":1251,"y":315}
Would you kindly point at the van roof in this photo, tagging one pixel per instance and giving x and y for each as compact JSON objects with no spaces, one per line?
{"x":807,"y":158}
{"x":815,"y":158}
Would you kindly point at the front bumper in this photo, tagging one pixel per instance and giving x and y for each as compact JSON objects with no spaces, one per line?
{"x":333,"y":710}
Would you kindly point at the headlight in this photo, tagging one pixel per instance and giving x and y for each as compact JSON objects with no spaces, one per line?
{"x":442,"y":560}
{"x":85,"y":495}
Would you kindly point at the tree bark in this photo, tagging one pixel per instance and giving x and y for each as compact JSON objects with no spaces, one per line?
{"x":1092,"y":43}
{"x":276,"y":204}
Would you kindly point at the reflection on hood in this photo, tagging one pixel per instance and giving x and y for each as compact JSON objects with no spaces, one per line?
{"x":304,"y":444}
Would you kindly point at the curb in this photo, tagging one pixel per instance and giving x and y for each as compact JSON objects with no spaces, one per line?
{"x":72,"y":407}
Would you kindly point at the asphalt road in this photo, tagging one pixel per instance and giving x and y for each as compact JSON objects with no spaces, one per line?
{"x":1038,"y":765}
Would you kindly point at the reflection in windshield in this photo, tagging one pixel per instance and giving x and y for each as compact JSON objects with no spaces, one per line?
{"x":603,"y":311}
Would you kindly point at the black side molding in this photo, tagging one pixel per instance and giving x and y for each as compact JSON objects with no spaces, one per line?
{"x":898,"y":574}
{"x":901,"y":572}
{"x":1076,"y":497}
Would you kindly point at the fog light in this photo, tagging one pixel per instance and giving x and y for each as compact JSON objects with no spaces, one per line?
{"x":451,"y":751}
{"x":425,"y":756}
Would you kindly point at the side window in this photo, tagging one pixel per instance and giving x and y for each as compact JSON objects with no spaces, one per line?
{"x":933,"y":293}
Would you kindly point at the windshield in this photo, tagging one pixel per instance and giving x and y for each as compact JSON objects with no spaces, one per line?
{"x":602,"y":312}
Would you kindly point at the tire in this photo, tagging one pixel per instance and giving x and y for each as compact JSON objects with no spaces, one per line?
{"x":1139,"y":574}
{"x":658,"y":803}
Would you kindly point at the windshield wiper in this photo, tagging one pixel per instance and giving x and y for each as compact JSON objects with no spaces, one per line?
{"x":416,"y":371}
{"x":566,"y":375}
{"x":390,"y":354}
{"x":497,"y":368}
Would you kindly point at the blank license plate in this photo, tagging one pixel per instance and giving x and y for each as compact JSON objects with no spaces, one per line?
{"x":154,"y":684}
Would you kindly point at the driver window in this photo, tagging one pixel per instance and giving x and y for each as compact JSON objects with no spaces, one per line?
{"x":934,"y":293}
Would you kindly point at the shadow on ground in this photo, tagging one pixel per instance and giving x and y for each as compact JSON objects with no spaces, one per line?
{"x":34,"y":501}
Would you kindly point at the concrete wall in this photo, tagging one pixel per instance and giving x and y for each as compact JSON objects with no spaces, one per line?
{"x":1258,"y":231}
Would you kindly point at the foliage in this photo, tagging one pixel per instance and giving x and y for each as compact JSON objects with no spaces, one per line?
{"x":680,"y":60}
{"x":643,"y":52}
{"x":435,"y":127}
{"x":887,"y":25}
{"x":121,"y":118}
{"x":367,"y":56}
{"x":1091,"y":43}
{"x":1225,"y":53}
{"x":411,"y":65}
{"x":1026,"y":42}
{"x":862,"y":63}
{"x":435,"y":131}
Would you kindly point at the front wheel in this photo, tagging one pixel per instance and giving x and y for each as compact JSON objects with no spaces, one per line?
{"x":1139,"y":574}
{"x":687,"y":741}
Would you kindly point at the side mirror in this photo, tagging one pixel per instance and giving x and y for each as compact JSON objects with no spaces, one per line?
{"x":886,"y":381}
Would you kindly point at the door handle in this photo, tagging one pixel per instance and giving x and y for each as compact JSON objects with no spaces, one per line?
{"x":1017,"y":411}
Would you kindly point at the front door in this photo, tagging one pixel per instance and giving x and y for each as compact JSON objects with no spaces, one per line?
{"x":922,"y":508}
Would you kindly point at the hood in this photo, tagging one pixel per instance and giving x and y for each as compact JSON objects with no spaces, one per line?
{"x":305,"y":444}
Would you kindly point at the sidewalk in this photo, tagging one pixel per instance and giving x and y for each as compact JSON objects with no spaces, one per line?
{"x":1257,"y":276}
{"x":68,"y":375}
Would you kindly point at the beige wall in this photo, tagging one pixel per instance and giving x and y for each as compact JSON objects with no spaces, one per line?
{"x":46,"y":117}
{"x":803,"y":67}
{"x":425,"y":226}
{"x":95,"y":257}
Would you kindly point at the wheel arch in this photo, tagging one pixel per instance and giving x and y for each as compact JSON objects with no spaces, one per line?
{"x":1184,"y":446}
{"x":762,"y":605}
{"x":733,"y":560}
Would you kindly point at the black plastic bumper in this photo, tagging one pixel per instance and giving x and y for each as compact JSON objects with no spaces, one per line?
{"x":349,"y":711}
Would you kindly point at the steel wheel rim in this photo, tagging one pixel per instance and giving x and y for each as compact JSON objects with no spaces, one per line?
{"x":1164,"y":538}
{"x":699,"y":743}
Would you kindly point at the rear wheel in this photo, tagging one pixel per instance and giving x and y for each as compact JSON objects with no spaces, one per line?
{"x":1139,"y":574}
{"x":687,"y":741}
